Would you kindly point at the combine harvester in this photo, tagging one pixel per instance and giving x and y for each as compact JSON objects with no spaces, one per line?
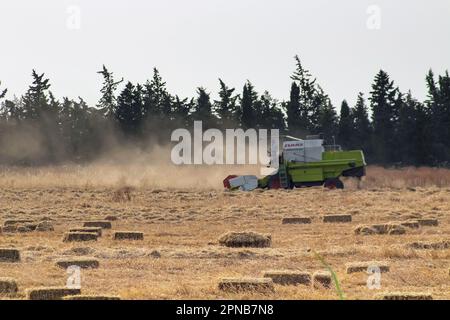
{"x":306,"y":163}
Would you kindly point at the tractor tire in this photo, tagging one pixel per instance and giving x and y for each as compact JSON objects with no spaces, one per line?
{"x":334,"y":183}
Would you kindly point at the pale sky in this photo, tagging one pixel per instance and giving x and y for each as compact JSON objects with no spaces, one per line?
{"x":194,"y":42}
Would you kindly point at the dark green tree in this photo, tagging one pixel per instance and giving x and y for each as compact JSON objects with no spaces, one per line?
{"x":129,"y":109}
{"x":77,"y":134}
{"x":155,"y":97}
{"x":35,"y":101}
{"x":311,"y":100}
{"x":383,"y":102}
{"x":226,"y":108}
{"x":107,"y":103}
{"x":424,"y":147}
{"x":346,"y":130}
{"x":327,"y":122}
{"x":181,"y":111}
{"x":438,"y":103}
{"x":269,"y":114}
{"x":362,"y":127}
{"x":203,"y":109}
{"x":248,"y":104}
{"x":293,"y":111}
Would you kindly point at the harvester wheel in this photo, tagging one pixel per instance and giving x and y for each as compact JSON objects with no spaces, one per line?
{"x":334,"y":183}
{"x":291,"y":185}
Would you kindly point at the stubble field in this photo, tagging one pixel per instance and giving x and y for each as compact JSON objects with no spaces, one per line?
{"x":183,"y":214}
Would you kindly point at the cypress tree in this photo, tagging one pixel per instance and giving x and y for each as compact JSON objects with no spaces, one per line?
{"x":346,"y":127}
{"x":362,"y":127}
{"x":248,"y":101}
{"x":293,"y":111}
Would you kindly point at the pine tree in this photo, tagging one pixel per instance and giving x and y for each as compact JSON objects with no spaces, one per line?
{"x":137,"y":109}
{"x":293,"y":111}
{"x":125,"y":114}
{"x":181,"y":111}
{"x":158,"y":110}
{"x":383,"y":104}
{"x":362,"y":127}
{"x":226,"y":107}
{"x":346,"y":127}
{"x":81,"y":134}
{"x":203,"y":109}
{"x":154,"y":97}
{"x":444,"y":83}
{"x":107,"y":103}
{"x":248,"y":103}
{"x":438,"y":103}
{"x":50,"y":128}
{"x":310,"y":100}
{"x":424,"y":147}
{"x":77,"y":132}
{"x":405,"y":136}
{"x":269,"y":113}
{"x":327,"y":121}
{"x":35,"y":101}
{"x":413,"y":132}
{"x":66,"y":124}
{"x":12,"y":111}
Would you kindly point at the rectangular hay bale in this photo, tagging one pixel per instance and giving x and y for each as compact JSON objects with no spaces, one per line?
{"x":428,"y":222}
{"x":79,"y":236}
{"x":91,"y":297}
{"x":8,"y":286}
{"x":245,"y":239}
{"x":322,"y":279}
{"x":296,"y":220}
{"x":413,"y":224}
{"x":9,"y":255}
{"x":246,"y":285}
{"x":96,"y":230}
{"x":353,"y":267}
{"x":50,"y":293}
{"x":440,"y":245}
{"x":404,"y":296}
{"x":98,"y":224}
{"x":337,"y":218}
{"x":84,"y":263}
{"x":288,"y":277}
{"x":128,"y":235}
{"x":387,"y":228}
{"x":16,"y":222}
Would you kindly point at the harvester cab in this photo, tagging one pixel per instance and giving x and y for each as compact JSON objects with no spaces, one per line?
{"x":306,"y":163}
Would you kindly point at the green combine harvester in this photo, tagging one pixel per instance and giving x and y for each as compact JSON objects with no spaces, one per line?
{"x":306,"y":163}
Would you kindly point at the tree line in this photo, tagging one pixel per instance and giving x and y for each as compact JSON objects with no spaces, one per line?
{"x":390,"y":126}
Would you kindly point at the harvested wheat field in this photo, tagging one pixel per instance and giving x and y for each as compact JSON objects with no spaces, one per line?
{"x":173,"y":249}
